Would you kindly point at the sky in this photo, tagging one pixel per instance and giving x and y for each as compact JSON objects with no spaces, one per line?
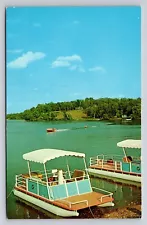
{"x":56,"y":54}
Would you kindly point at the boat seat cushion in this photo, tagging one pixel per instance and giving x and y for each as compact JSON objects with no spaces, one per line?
{"x":78,"y":173}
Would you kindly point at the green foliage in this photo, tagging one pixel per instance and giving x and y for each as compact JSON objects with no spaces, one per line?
{"x":103,"y":108}
{"x":67,"y":116}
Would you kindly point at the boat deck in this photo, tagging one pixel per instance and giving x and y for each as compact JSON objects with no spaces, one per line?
{"x":112,"y":168}
{"x":107,"y":166}
{"x":79,"y":201}
{"x":75,"y":202}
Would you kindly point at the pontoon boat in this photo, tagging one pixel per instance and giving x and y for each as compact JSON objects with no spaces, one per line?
{"x":63,"y":193}
{"x":118,"y":166}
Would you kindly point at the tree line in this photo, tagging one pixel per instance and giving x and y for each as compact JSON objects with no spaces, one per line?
{"x":102,"y":108}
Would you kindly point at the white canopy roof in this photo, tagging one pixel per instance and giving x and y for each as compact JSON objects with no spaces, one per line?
{"x":44,"y":155}
{"x":130,"y":143}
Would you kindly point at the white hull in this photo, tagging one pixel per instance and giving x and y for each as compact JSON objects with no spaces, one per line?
{"x":115,"y":175}
{"x":107,"y":204}
{"x":46,"y":206}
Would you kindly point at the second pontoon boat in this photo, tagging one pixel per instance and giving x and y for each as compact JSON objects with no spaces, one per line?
{"x":122,"y":167}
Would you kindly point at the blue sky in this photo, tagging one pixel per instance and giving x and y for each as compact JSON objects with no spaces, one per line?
{"x":67,"y":53}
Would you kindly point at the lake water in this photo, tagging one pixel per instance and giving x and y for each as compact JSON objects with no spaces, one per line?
{"x":97,"y":138}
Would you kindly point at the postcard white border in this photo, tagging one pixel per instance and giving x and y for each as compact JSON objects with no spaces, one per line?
{"x":6,"y":3}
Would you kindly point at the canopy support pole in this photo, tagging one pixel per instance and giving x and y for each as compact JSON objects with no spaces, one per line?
{"x":29,"y":168}
{"x":125,"y":154}
{"x":46,"y":180}
{"x":68,"y":168}
{"x":45,"y":173}
{"x":85,"y":166}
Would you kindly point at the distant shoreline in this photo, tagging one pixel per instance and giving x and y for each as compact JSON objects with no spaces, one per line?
{"x":109,"y":122}
{"x":89,"y":109}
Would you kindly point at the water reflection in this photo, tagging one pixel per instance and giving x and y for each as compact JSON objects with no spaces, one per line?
{"x":123,"y":194}
{"x":28,"y":211}
{"x":17,"y":209}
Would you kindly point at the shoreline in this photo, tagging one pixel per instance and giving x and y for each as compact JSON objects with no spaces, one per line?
{"x":110,"y":121}
{"x":131,"y":211}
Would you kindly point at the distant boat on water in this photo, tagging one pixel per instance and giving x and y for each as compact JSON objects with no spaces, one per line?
{"x":50,"y":130}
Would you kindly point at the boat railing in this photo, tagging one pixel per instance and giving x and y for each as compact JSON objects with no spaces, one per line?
{"x":108,"y":194}
{"x":110,"y":158}
{"x":49,"y":173}
{"x":21,"y":180}
{"x":137,"y":159}
{"x":53,"y":173}
{"x":72,"y":179}
{"x":73,"y":203}
{"x":133,"y":166}
{"x":104,"y":196}
{"x":96,"y":159}
{"x":38,"y":186}
{"x":106,"y":163}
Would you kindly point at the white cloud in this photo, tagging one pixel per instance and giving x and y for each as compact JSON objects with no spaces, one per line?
{"x":76,"y":22}
{"x":65,"y":61}
{"x":74,"y":67}
{"x":25,"y":59}
{"x":79,"y":68}
{"x":60,"y":64}
{"x":15,"y":51}
{"x":97,"y":68}
{"x":69,"y":58}
{"x":36,"y":24}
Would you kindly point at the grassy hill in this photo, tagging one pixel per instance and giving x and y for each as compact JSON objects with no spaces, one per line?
{"x":75,"y":114}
